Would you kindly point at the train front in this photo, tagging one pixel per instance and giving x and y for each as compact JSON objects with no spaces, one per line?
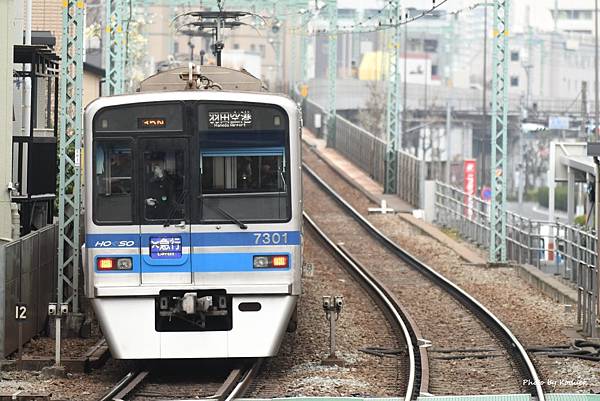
{"x":193,"y":222}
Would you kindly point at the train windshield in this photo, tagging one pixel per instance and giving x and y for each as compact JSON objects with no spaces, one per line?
{"x":248,"y":184}
{"x":152,"y":165}
{"x":113,"y":181}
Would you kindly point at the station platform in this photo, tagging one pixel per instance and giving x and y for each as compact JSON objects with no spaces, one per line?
{"x":365,"y":184}
{"x":374,"y":191}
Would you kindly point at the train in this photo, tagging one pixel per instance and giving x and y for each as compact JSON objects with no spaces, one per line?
{"x":193,"y":216}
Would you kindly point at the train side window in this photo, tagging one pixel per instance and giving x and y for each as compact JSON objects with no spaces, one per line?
{"x":113,"y":181}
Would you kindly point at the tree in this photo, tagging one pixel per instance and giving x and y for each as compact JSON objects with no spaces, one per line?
{"x":373,"y":116}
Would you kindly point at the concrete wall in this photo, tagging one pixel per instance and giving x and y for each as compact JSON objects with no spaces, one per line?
{"x":91,"y":87}
{"x":7,"y":26}
{"x":47,"y":16}
{"x":27,"y":275}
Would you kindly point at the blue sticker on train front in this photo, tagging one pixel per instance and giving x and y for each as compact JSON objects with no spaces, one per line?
{"x":165,"y":247}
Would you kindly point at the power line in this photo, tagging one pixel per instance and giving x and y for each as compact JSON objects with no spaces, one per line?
{"x":342,"y":30}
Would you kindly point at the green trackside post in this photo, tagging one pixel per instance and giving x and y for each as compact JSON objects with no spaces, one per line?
{"x":332,"y":72}
{"x":499,"y":132}
{"x":393,"y":103}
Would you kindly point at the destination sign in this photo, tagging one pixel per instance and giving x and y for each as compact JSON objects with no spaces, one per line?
{"x":156,"y":122}
{"x":230,"y":119}
{"x":165,"y":247}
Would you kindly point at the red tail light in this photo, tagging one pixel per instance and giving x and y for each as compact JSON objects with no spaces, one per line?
{"x":270,"y":261}
{"x":106,"y":263}
{"x":114,"y":263}
{"x":280,"y":261}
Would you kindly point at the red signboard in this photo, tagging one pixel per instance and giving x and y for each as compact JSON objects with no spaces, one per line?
{"x":470,"y":184}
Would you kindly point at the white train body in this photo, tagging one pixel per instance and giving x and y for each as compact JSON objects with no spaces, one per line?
{"x":193,"y":222}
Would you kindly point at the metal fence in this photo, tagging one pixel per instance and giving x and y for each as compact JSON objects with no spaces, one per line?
{"x":361,"y":147}
{"x":368,"y":152}
{"x":27,"y":275}
{"x":569,"y":251}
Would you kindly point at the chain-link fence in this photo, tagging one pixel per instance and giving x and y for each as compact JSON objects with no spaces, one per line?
{"x":568,"y":251}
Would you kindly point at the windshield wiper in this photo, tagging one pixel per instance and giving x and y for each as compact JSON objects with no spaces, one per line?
{"x":231,"y":218}
{"x":174,"y":207}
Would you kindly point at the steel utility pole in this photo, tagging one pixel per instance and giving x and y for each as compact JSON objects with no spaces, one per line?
{"x":393,"y":104}
{"x":304,"y":46}
{"x":482,"y":157}
{"x":404,"y":75}
{"x":449,"y":37}
{"x":114,"y":48}
{"x":332,"y":72}
{"x":293,"y":56}
{"x":594,"y":331}
{"x":499,"y":132}
{"x":596,"y":72}
{"x":69,"y":190}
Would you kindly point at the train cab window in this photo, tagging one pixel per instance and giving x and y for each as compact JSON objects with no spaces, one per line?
{"x":250,"y":185}
{"x":113,"y":182}
{"x":164,"y":169}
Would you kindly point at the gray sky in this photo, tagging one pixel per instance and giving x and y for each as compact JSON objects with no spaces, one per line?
{"x":539,"y":9}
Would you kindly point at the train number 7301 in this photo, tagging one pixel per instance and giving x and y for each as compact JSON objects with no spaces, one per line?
{"x":270,"y":238}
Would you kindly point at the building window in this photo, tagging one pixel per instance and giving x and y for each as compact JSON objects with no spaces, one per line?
{"x":514,"y":56}
{"x":262,"y":50}
{"x":236,"y":46}
{"x":253,"y":48}
{"x":434,"y":70}
{"x":430,"y":45}
{"x":514,"y":81}
{"x":414,"y":45}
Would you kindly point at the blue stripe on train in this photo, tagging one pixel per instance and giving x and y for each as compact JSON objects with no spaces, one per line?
{"x":261,"y":238}
{"x":203,"y":263}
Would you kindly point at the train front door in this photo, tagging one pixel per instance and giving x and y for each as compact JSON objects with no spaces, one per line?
{"x":165,"y":211}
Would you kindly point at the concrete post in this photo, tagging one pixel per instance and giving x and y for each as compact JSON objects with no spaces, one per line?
{"x":551,"y":182}
{"x":570,"y":196}
{"x":6,"y":113}
{"x":448,"y":140}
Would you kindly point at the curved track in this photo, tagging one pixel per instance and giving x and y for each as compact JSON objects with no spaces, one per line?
{"x":418,"y":372}
{"x":137,"y":385}
{"x":527,"y":372}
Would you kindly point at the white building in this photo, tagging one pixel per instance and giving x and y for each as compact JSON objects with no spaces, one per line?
{"x":574,"y":16}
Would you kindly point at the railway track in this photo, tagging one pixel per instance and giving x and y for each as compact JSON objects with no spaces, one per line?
{"x":173,"y":384}
{"x":471,"y":345}
{"x":418,"y":371}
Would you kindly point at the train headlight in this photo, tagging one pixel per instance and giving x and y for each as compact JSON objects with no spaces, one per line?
{"x":270,"y":261}
{"x":124,"y":264}
{"x":114,"y":263}
{"x":261,"y":262}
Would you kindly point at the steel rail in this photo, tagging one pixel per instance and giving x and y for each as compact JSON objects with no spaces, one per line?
{"x":241,"y":387}
{"x":124,"y":386}
{"x":417,"y":358}
{"x":528,"y":371}
{"x":233,"y":386}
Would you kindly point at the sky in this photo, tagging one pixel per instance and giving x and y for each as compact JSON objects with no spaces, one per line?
{"x":539,"y":9}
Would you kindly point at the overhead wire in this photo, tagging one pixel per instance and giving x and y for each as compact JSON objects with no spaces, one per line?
{"x":380,"y":27}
